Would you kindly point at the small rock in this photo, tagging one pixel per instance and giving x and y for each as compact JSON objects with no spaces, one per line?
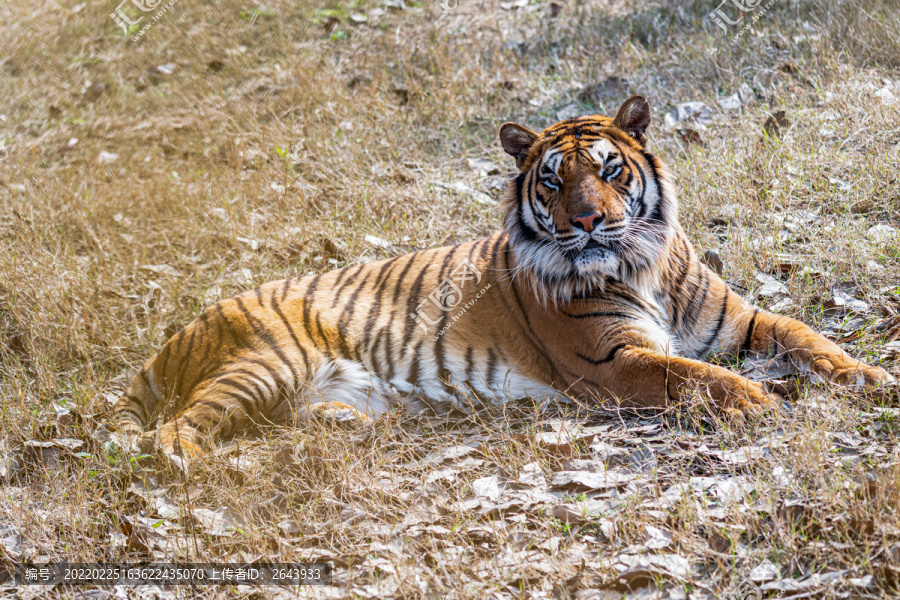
{"x":377,"y":241}
{"x":770,"y":286}
{"x":105,"y":158}
{"x":697,"y":111}
{"x":483,"y":166}
{"x":743,"y":96}
{"x":882,"y":233}
{"x":611,"y":88}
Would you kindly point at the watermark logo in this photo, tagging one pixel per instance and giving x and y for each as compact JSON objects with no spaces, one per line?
{"x":121,"y":17}
{"x":747,"y":589}
{"x":297,"y":155}
{"x":448,"y":296}
{"x":128,"y":25}
{"x":722,"y":19}
{"x":448,"y":6}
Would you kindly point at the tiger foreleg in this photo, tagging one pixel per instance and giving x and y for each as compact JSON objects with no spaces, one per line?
{"x":648,"y":378}
{"x":779,"y":336}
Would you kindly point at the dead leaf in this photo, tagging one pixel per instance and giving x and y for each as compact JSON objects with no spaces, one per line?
{"x":95,"y":90}
{"x":483,"y":167}
{"x":697,"y":112}
{"x":691,"y":136}
{"x":532,"y":476}
{"x":656,"y":538}
{"x":167,"y":270}
{"x":585,"y":480}
{"x":736,"y":457}
{"x":770,"y":286}
{"x":712,"y":260}
{"x":775,"y":123}
{"x":487,"y":487}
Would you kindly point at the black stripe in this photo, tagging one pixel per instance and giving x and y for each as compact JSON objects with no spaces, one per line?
{"x":411,"y":301}
{"x":136,"y":401}
{"x":246,"y":404}
{"x":321,"y":332}
{"x":350,"y":280}
{"x":381,"y":282}
{"x":640,"y":198}
{"x":657,"y":212}
{"x":388,"y":351}
{"x":470,"y":365}
{"x":307,"y":305}
{"x":745,"y":347}
{"x":208,"y":361}
{"x":519,"y":181}
{"x":238,"y":386}
{"x":164,"y":355}
{"x":263,"y":333}
{"x":277,"y":308}
{"x":262,"y":382}
{"x":388,"y":348}
{"x":494,"y":251}
{"x":439,"y":343}
{"x":609,"y":357}
{"x":373,"y":354}
{"x":691,"y":310}
{"x":414,"y":367}
{"x":718,"y":328}
{"x":589,"y":315}
{"x":341,"y":274}
{"x":185,"y":362}
{"x":402,"y":276}
{"x":529,"y":330}
{"x":261,"y":385}
{"x":239,"y":344}
{"x":279,"y":384}
{"x":491,"y":367}
{"x":685,"y":259}
{"x":775,"y":339}
{"x":192,"y":424}
{"x":346,"y":316}
{"x":285,"y":288}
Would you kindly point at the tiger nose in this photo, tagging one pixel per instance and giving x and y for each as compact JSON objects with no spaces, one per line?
{"x":587,"y":221}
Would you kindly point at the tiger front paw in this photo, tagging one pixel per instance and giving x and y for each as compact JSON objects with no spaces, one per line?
{"x":752,"y":398}
{"x":852,"y":373}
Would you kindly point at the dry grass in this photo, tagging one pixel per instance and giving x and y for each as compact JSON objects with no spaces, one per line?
{"x":100,"y":262}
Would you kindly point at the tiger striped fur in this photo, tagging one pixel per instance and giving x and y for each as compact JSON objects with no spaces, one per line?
{"x":591,"y":289}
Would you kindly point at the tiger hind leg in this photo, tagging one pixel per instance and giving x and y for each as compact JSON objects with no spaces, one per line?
{"x":339,"y":391}
{"x":222,"y":408}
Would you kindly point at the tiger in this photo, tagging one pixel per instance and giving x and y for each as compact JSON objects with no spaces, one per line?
{"x":590,"y":289}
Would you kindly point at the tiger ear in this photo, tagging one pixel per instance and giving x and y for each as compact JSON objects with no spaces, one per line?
{"x":517,"y":140}
{"x":633,"y":118}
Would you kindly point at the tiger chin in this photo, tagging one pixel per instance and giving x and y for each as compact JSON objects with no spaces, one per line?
{"x":590,"y":289}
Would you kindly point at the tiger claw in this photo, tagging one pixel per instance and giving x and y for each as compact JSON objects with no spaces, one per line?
{"x":857,"y":375}
{"x":337,"y":412}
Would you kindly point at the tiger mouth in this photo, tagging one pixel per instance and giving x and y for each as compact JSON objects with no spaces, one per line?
{"x":594,"y":245}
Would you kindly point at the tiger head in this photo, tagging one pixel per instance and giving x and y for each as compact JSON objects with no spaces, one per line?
{"x":590,"y":202}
